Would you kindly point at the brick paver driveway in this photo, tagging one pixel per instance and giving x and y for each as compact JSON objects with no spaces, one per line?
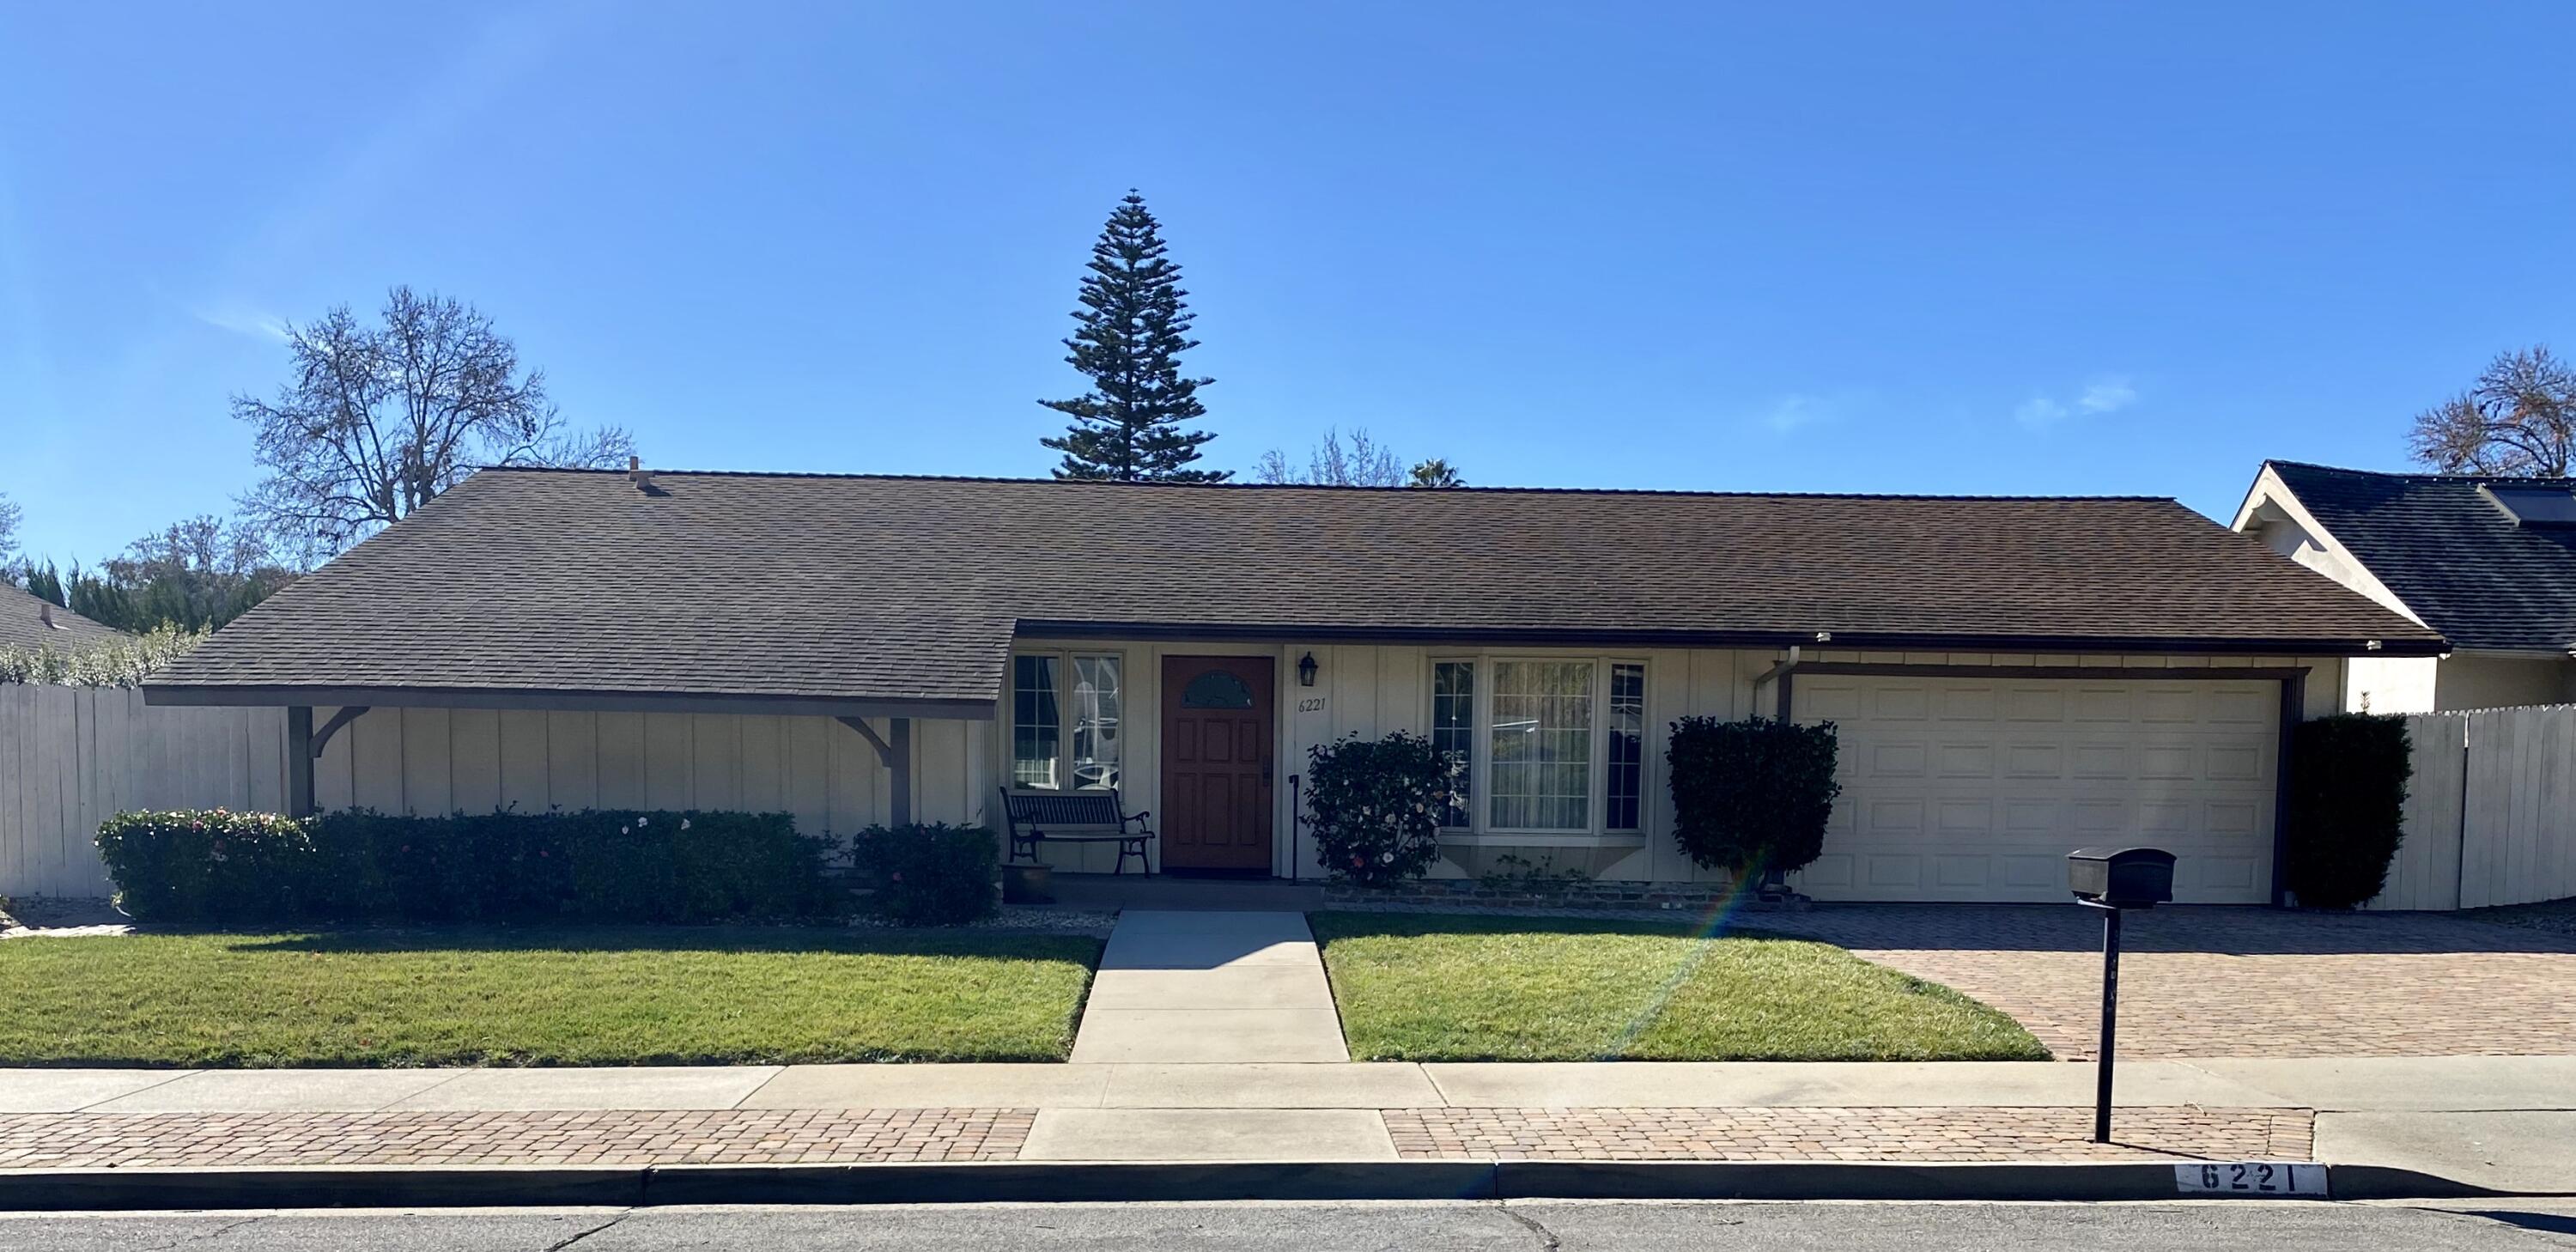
{"x":2212,"y":982}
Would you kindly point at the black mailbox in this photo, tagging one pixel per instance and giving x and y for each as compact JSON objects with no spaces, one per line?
{"x":2122,"y":878}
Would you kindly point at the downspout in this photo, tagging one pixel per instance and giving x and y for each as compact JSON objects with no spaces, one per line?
{"x":1780,"y":672}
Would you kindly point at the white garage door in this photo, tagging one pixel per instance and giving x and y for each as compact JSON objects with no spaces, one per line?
{"x":1976,"y":788}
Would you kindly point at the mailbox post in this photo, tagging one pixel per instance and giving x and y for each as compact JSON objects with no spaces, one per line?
{"x":2113,"y":880}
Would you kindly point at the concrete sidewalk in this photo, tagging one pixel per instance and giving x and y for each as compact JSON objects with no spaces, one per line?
{"x":2503,"y":1122}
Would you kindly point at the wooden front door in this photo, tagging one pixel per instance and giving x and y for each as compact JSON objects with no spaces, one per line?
{"x":1218,"y":725}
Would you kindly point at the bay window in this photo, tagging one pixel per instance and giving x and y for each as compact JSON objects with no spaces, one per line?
{"x":1543,"y":745}
{"x":1065,"y":710}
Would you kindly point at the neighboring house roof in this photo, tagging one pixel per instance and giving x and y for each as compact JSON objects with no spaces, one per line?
{"x":813,"y":587}
{"x":2458,"y":559}
{"x":23,"y":623}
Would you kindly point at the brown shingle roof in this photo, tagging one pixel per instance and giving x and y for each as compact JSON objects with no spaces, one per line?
{"x":22,"y":623}
{"x":897,"y":588}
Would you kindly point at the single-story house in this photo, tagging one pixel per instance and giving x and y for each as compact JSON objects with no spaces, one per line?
{"x":2012,"y":677}
{"x":2488,"y":562}
{"x":31,"y":621}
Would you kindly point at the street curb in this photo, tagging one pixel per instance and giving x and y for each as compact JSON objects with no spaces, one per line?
{"x":1031,"y":1182}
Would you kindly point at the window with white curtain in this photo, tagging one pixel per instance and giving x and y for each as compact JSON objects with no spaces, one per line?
{"x":1545,"y":745}
{"x":1065,"y":712}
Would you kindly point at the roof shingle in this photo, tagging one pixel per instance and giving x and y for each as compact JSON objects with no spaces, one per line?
{"x":2460,"y":562}
{"x":22,"y":623}
{"x":899,"y":588}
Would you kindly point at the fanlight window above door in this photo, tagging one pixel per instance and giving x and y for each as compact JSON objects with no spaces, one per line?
{"x":1216,"y":689}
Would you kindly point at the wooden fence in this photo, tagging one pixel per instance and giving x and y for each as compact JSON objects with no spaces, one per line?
{"x":71,"y":757}
{"x":2491,"y":815}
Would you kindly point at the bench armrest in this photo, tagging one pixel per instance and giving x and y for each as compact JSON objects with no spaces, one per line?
{"x":1138,"y":818}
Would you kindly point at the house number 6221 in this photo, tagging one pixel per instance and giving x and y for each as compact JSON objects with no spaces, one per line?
{"x":1311,"y":704}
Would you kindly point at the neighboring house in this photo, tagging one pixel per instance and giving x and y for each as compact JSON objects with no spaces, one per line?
{"x":2488,"y":562}
{"x":29,"y":621}
{"x":2012,"y":677}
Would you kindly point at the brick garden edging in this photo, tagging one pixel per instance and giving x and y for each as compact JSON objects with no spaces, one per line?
{"x":1678,"y":897}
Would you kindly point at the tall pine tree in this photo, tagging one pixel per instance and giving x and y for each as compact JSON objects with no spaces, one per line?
{"x":1131,"y":331}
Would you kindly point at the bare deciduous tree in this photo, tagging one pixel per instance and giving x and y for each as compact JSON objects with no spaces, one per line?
{"x":8,"y":529}
{"x":1363,"y":462}
{"x":378,"y":419}
{"x":2518,"y":419}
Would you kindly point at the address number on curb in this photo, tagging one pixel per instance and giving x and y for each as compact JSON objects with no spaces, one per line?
{"x":2250,"y":1178}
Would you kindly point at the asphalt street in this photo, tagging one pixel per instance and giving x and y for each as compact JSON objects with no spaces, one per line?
{"x":1411,"y":1227}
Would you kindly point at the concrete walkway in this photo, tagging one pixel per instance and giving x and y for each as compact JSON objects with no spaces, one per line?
{"x":1179,"y":988}
{"x":1244,"y":993}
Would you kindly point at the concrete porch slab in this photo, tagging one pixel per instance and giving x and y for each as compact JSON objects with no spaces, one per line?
{"x":636,"y":1087}
{"x":1206,"y":1036}
{"x":282,"y":1091}
{"x":70,"y":1090}
{"x":1283,"y":1086}
{"x":1258,"y":986}
{"x":1302,"y":1135}
{"x":932,"y":1086}
{"x":1858,"y":1084}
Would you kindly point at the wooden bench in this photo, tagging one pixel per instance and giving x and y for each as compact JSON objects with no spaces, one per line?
{"x":1078,"y":817}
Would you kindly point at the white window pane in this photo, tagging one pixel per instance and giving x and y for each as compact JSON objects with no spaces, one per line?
{"x":1095,"y":722}
{"x":1541,"y":745}
{"x":1037,"y":728}
{"x":1453,"y":730}
{"x":1626,"y":784}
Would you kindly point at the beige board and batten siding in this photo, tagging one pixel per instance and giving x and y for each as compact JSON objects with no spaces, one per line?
{"x":431,"y":762}
{"x":72,"y":757}
{"x":1374,"y":689}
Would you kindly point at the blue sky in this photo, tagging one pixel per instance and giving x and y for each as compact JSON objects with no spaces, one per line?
{"x":2032,"y":248}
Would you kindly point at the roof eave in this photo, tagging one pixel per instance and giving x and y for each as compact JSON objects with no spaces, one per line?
{"x":1848,"y":640}
{"x":564,"y":701}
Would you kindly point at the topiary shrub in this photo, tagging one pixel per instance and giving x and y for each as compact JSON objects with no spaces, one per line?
{"x":1751,"y":796}
{"x":357,"y":865}
{"x":1374,"y":806}
{"x":930,"y":875}
{"x":2347,"y":807}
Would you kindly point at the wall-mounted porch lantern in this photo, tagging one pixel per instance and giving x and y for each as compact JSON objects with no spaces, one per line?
{"x":1306,"y":670}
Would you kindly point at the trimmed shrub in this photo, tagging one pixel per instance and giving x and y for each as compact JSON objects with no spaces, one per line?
{"x":2346,"y":811}
{"x":1751,"y":796}
{"x":359,"y":865}
{"x":930,"y":875}
{"x":210,"y":865}
{"x":1374,"y":806}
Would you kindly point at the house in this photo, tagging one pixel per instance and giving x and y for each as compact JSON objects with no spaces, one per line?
{"x":29,"y":621}
{"x":2012,"y":677}
{"x":2488,"y":562}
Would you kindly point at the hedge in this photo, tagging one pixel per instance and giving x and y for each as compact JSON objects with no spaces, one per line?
{"x":930,"y":875}
{"x":218,"y":866}
{"x":1751,"y":796}
{"x":2346,"y":811}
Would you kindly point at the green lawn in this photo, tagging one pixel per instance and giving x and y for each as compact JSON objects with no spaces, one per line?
{"x":671,"y":995}
{"x":1421,"y":987}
